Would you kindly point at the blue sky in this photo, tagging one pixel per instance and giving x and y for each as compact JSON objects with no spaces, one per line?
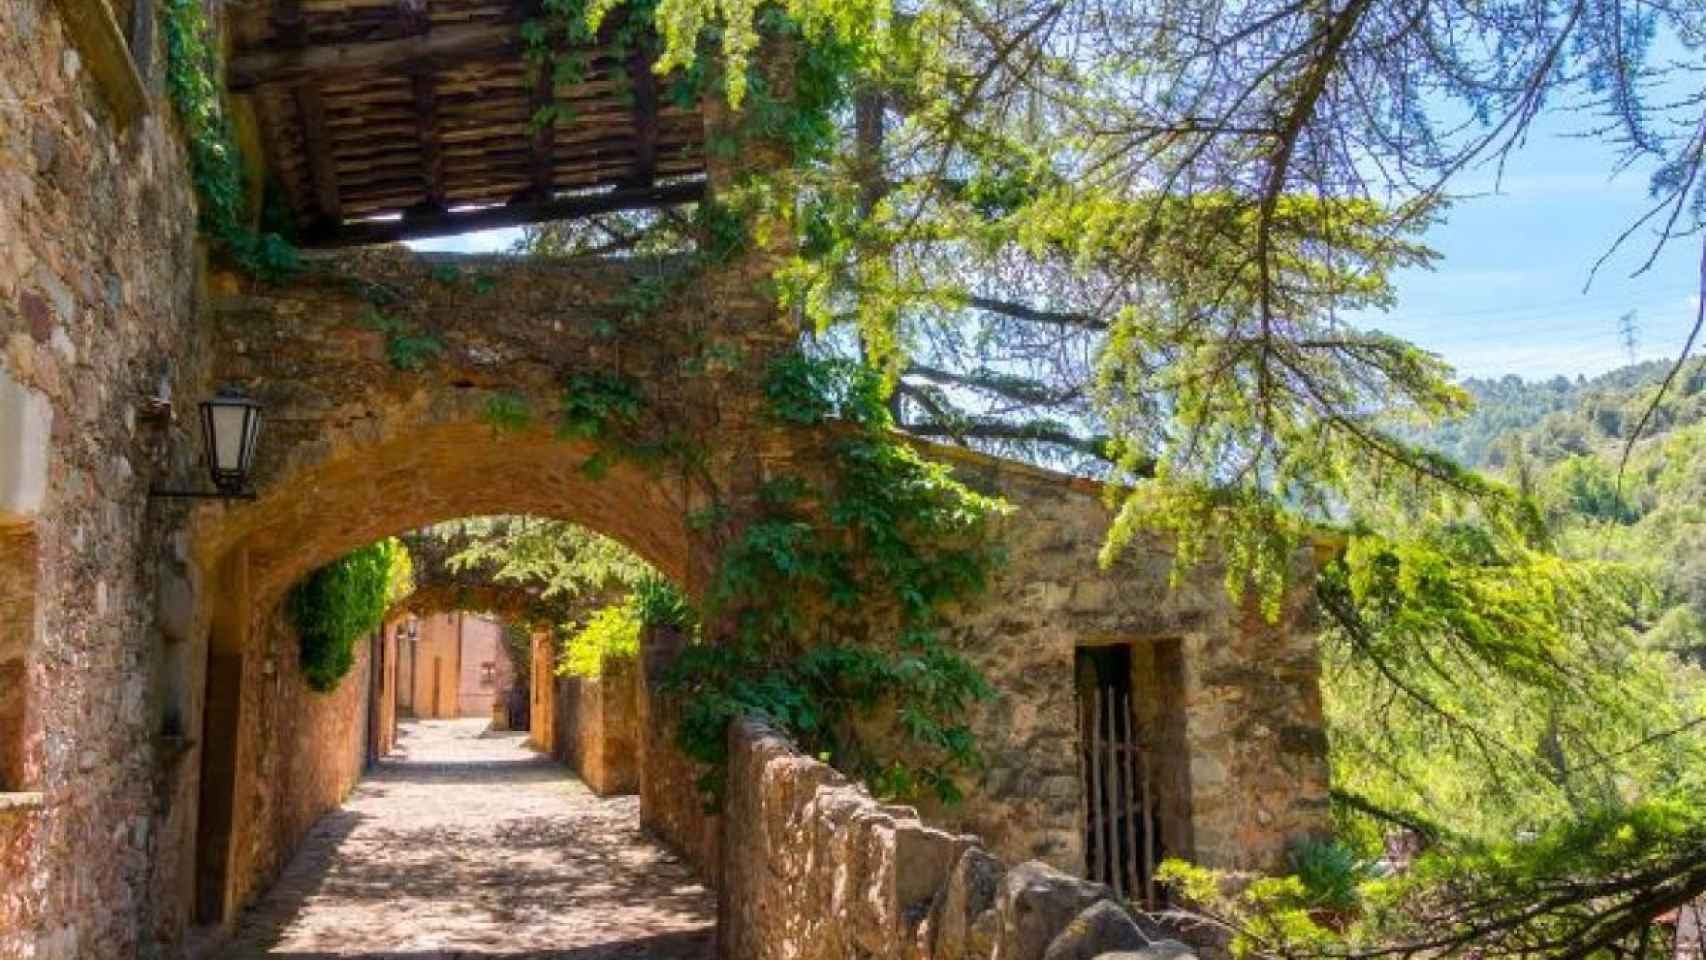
{"x":1507,"y":295}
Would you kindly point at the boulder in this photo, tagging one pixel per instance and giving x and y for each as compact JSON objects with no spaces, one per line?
{"x":1035,"y":903}
{"x":1106,"y":927}
{"x":1159,"y":950}
{"x":961,"y":923}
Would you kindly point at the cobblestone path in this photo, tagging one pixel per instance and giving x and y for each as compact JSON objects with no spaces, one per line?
{"x":467,"y":844}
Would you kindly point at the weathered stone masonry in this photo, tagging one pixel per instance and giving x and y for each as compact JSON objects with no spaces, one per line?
{"x":97,"y":311}
{"x":364,"y":449}
{"x":159,"y":755}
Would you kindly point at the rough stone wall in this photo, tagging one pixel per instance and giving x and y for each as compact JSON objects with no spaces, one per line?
{"x":597,"y":728}
{"x":671,"y":805}
{"x":98,"y":268}
{"x":300,"y":754}
{"x":1245,"y":745}
{"x":815,"y":869}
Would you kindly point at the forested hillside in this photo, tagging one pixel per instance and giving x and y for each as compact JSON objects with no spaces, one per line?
{"x":1563,"y":441}
{"x":1547,"y":674}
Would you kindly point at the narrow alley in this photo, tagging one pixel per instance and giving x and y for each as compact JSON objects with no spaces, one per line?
{"x":465,"y":843}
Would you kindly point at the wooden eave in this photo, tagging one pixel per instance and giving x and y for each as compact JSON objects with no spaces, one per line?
{"x":399,"y":119}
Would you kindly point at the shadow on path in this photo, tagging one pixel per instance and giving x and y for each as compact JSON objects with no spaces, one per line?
{"x":467,"y":844}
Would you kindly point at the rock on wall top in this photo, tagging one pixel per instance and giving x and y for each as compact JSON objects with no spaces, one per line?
{"x":814,"y":868}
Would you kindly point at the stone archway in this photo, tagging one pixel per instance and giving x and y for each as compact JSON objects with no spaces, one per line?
{"x":361,"y":446}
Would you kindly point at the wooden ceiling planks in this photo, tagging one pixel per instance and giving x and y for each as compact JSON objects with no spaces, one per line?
{"x":391,"y":119}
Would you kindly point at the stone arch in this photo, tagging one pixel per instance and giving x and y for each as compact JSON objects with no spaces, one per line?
{"x":357,"y":446}
{"x":444,"y":471}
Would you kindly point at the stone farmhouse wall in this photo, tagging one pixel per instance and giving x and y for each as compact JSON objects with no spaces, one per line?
{"x":1230,"y":701}
{"x":814,"y":869}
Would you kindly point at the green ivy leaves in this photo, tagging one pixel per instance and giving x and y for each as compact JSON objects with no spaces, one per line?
{"x":337,"y":604}
{"x":193,"y":80}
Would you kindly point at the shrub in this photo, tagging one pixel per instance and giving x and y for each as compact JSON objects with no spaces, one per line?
{"x":1330,"y":872}
{"x":660,"y":603}
{"x":613,"y":633}
{"x":339,"y":603}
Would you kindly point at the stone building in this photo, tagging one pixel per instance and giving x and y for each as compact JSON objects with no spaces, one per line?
{"x":452,"y":665}
{"x":160,"y":753}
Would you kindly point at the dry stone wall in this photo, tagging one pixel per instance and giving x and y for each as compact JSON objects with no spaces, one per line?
{"x":301,"y":752}
{"x":672,"y":807}
{"x":815,"y":869}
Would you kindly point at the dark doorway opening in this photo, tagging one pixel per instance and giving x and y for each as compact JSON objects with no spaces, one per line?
{"x":1123,"y":835}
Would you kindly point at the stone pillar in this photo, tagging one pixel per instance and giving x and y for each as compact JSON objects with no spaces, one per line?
{"x":542,"y":713}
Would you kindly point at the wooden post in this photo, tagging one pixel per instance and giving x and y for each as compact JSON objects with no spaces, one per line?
{"x":1132,"y":806}
{"x":1110,"y":829}
{"x":1095,"y":778}
{"x":1148,"y":836}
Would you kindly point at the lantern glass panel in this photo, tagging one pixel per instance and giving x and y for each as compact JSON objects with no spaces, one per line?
{"x":229,"y":428}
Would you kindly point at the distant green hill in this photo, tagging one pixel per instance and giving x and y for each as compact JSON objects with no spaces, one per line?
{"x":1561,"y":417}
{"x":1562,"y":441}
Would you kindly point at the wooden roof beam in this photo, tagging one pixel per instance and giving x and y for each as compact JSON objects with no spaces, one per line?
{"x":510,"y":215}
{"x":426,"y":132}
{"x":543,"y":97}
{"x":440,"y":47}
{"x":645,"y":83}
{"x":327,"y":208}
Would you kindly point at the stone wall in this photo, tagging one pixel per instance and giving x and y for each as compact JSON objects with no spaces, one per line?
{"x":597,"y":728}
{"x":815,"y":869}
{"x":672,"y":808}
{"x":1233,"y":701}
{"x":300,"y":753}
{"x":98,"y":273}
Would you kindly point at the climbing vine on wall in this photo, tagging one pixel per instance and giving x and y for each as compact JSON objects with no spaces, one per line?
{"x":827,"y":606}
{"x":336,"y":605}
{"x":193,"y":82}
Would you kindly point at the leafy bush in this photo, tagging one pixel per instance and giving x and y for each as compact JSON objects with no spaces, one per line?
{"x":339,"y":603}
{"x":612,"y":634}
{"x":660,"y":603}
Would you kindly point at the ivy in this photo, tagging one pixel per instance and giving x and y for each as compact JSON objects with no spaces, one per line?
{"x":826,"y":609}
{"x":193,"y":80}
{"x":406,"y":345}
{"x":610,"y":411}
{"x":507,"y":411}
{"x":337,"y":604}
{"x":886,"y":544}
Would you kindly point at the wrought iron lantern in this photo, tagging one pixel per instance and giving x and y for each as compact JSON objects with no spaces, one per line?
{"x":230,"y":426}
